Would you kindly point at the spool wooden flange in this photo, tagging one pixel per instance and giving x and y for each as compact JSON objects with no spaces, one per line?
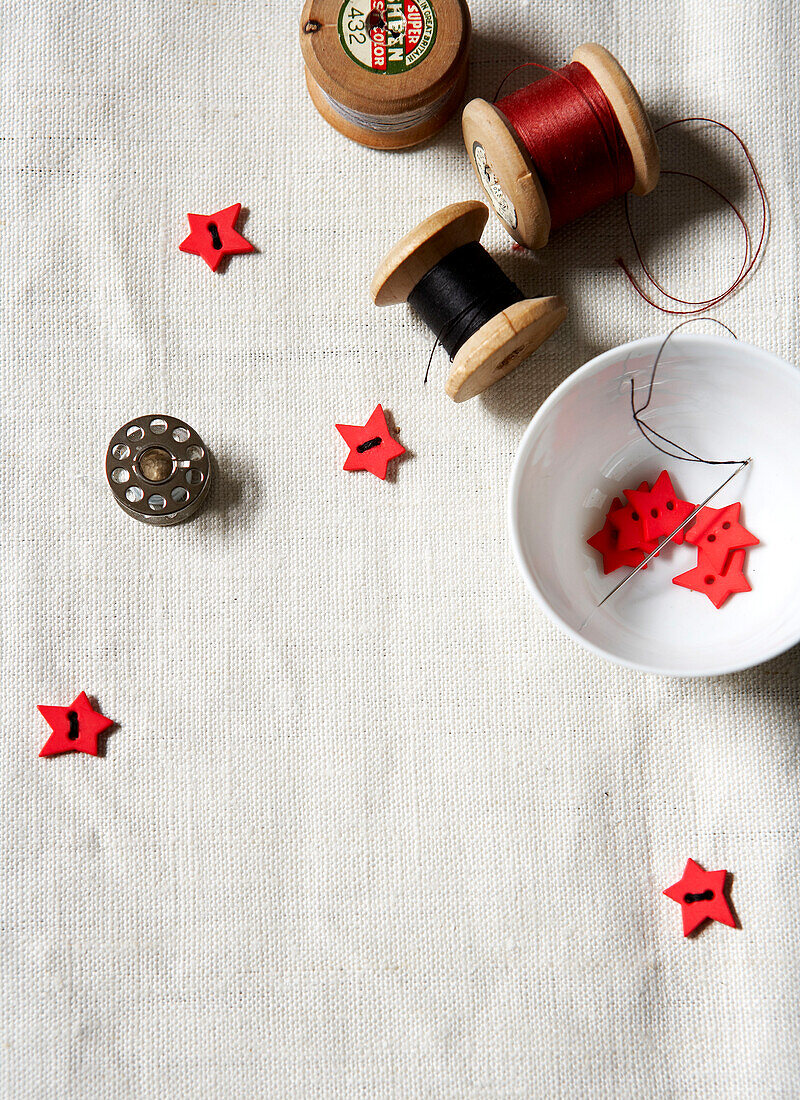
{"x":499,"y":345}
{"x":424,"y":51}
{"x":506,"y":171}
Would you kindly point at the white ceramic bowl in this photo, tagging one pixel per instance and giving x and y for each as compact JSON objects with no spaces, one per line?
{"x":721,"y":399}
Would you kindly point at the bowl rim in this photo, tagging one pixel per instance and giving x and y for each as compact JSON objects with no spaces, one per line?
{"x":769,"y":360}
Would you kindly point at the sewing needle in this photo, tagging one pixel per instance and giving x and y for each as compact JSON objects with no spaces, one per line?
{"x":666,"y":539}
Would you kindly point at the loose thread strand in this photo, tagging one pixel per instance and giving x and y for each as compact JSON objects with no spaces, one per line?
{"x":645,"y":428}
{"x":752,"y":253}
{"x":550,"y":124}
{"x":476,"y":307}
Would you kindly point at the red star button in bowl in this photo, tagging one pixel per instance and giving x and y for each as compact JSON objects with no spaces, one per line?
{"x":606,"y":542}
{"x":660,"y":508}
{"x":372,"y":446}
{"x":716,"y":531}
{"x":75,"y":728}
{"x":214,"y":236}
{"x":629,"y":524}
{"x":717,"y":586}
{"x":701,"y":896}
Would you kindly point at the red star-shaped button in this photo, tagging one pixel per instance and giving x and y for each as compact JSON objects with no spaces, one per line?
{"x":214,"y":237}
{"x":717,"y":586}
{"x":717,"y":531}
{"x":606,"y":542}
{"x":660,"y":509}
{"x":701,"y":896}
{"x":75,"y":728}
{"x":629,"y":523}
{"x":371,"y":447}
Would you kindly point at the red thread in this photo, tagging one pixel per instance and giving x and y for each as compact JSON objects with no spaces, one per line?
{"x":570,"y":132}
{"x":751,"y":253}
{"x":572,"y":135}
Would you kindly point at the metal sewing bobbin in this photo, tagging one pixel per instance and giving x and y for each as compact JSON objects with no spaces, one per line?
{"x":159,"y":470}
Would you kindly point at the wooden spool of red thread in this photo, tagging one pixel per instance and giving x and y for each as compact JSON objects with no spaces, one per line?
{"x":530,"y":201}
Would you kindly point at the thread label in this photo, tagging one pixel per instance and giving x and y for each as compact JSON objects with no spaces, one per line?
{"x":387,"y":36}
{"x":491,"y":185}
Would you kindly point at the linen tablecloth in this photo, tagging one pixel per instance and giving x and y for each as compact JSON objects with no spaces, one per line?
{"x":368,"y":824}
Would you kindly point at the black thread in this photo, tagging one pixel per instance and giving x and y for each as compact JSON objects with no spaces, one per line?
{"x":370,"y":443}
{"x":707,"y":895}
{"x":460,"y":295}
{"x":73,"y":732}
{"x":644,"y":427}
{"x":215,"y":238}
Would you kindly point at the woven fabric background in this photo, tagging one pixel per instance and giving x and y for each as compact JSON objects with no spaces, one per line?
{"x":368,"y":826}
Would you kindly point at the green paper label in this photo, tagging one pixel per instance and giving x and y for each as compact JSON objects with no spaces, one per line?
{"x":387,"y":36}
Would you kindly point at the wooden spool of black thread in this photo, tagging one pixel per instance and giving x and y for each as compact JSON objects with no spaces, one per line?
{"x":481,"y":317}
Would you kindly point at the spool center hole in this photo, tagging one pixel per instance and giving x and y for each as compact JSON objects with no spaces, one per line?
{"x":156,"y":464}
{"x":374,"y":22}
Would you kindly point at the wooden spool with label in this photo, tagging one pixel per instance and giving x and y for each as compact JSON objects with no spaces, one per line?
{"x":386,"y":73}
{"x":503,"y":340}
{"x":505,"y":168}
